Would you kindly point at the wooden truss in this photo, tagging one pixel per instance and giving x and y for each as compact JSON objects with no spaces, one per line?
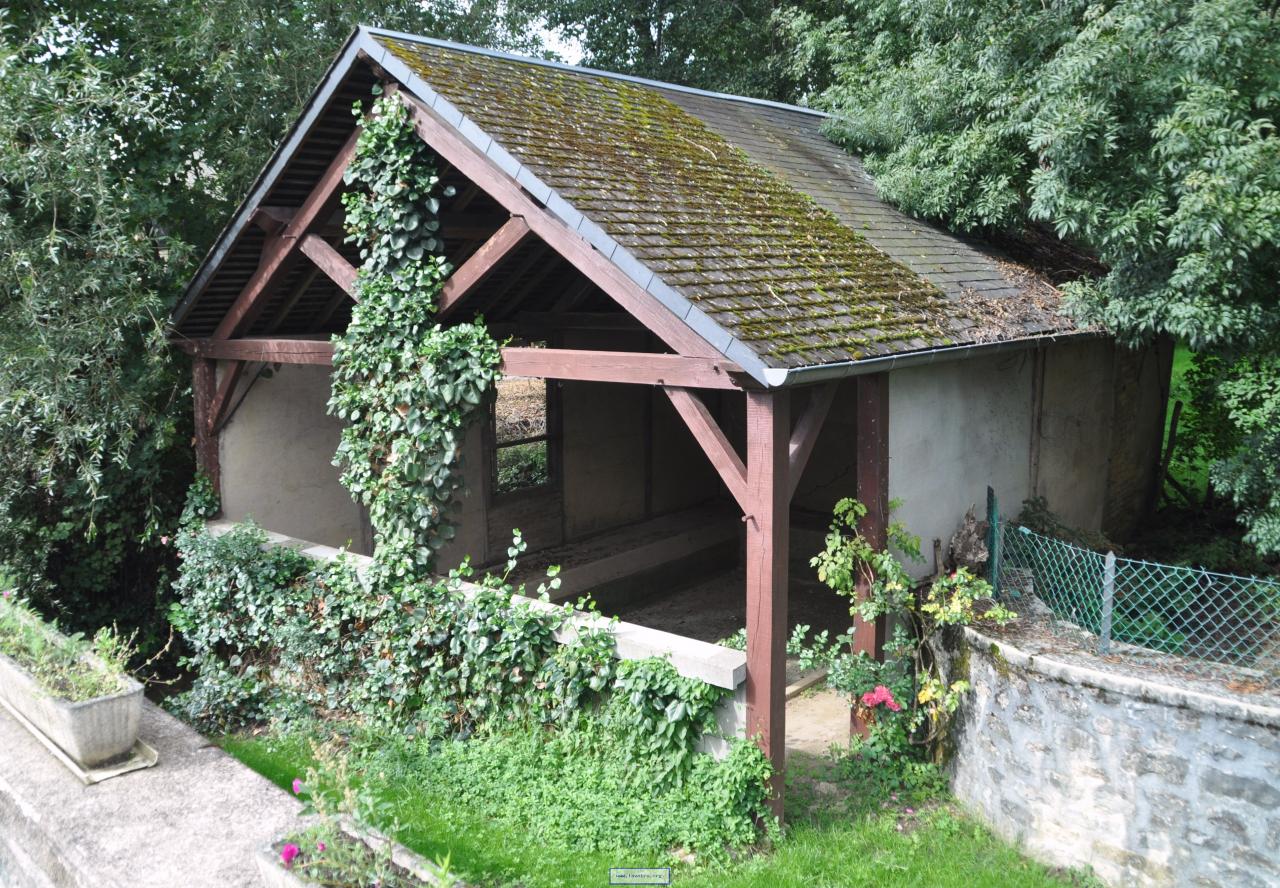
{"x":762,"y":480}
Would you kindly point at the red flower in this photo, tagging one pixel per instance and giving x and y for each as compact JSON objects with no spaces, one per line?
{"x":881,"y":694}
{"x":288,"y":853}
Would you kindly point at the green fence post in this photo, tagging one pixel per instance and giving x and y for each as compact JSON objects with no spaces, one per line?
{"x":993,"y":542}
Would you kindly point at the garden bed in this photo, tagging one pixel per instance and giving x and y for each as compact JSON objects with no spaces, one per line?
{"x":88,"y":707}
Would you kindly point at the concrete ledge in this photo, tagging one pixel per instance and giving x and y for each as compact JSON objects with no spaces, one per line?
{"x":195,"y":820}
{"x":712,"y":663}
{"x":1147,"y":690}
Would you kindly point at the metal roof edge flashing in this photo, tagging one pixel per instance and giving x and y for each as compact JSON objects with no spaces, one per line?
{"x":779,"y":378}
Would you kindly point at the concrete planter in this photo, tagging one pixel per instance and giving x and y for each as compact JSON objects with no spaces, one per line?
{"x":92,"y":732}
{"x":274,"y":875}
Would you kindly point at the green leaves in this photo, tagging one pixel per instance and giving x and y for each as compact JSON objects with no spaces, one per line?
{"x":406,"y":387}
{"x":1144,"y":131}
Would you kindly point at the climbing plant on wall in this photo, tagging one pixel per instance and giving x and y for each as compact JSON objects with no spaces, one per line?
{"x":405,"y":386}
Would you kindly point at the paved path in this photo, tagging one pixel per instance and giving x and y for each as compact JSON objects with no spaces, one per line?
{"x":192,"y":821}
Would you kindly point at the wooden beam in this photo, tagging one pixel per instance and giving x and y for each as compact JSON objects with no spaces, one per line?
{"x":204,"y":378}
{"x":273,"y":219}
{"x":266,"y":350}
{"x":481,"y":264}
{"x":331,"y":262}
{"x":768,"y":533}
{"x":872,"y":445}
{"x":639,"y":368}
{"x":222,"y":400}
{"x":281,"y":250}
{"x":707,"y":432}
{"x":807,"y":431}
{"x":481,"y":170}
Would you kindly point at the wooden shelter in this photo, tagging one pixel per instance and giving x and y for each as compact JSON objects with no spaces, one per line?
{"x":716,"y":256}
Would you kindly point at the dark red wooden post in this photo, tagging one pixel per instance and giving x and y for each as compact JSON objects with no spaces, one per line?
{"x":204,"y":382}
{"x":873,"y":491}
{"x":769,"y":492}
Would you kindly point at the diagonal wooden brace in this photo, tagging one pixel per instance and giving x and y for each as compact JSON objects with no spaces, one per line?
{"x":712,"y":439}
{"x":807,"y":431}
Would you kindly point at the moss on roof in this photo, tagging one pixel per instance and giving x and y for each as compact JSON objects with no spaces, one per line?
{"x":756,"y":254}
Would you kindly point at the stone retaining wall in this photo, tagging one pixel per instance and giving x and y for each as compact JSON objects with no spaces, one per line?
{"x":1148,"y":784}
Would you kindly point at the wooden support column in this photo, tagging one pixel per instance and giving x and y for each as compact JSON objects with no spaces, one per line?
{"x":873,"y":491}
{"x":768,"y":526}
{"x":204,"y":381}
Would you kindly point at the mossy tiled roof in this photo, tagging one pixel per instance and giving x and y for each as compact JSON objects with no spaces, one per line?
{"x":737,"y":232}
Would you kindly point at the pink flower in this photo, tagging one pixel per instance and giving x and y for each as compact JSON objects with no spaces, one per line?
{"x":881,"y":694}
{"x":288,"y":853}
{"x":297,"y":786}
{"x":8,"y":593}
{"x":164,"y":541}
{"x":320,"y":846}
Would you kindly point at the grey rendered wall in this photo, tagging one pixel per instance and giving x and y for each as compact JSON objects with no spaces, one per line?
{"x":955,"y":428}
{"x":277,"y":462}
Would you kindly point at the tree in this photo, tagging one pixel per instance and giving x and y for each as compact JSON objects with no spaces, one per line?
{"x":128,"y":133}
{"x":1144,"y":130}
{"x":724,"y":46}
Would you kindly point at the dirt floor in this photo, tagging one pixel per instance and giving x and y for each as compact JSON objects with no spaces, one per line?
{"x":816,"y":721}
{"x":717,"y":607}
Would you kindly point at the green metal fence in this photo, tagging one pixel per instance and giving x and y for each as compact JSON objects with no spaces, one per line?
{"x":1203,"y":622}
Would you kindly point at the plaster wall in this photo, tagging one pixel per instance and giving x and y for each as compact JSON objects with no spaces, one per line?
{"x":277,"y":453}
{"x":954,"y":429}
{"x":1075,"y":432}
{"x":1078,"y":423}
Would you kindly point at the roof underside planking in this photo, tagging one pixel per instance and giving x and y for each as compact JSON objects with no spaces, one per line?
{"x":737,"y":215}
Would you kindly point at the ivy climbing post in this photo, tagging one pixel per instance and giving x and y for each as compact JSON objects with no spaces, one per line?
{"x":406,"y":387}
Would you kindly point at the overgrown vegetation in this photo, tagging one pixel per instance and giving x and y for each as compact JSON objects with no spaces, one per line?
{"x":129,"y":131}
{"x":905,"y":701}
{"x":325,"y":853}
{"x":69,"y":667}
{"x":406,"y":387}
{"x":1143,"y":131}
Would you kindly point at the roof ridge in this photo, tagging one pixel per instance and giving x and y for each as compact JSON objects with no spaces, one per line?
{"x":586,"y":71}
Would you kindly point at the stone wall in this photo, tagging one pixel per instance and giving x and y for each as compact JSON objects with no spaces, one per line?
{"x":1148,"y":784}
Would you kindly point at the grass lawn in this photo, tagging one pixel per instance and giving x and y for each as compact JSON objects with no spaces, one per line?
{"x":934,"y":846}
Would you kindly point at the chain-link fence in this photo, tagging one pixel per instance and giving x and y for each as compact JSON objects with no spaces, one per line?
{"x":1207,"y":623}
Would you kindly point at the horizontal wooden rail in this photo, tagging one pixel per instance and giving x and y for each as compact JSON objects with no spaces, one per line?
{"x":627,"y":367}
{"x":638,"y":368}
{"x":267,"y":350}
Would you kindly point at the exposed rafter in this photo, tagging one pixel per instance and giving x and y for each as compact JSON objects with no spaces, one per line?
{"x":482,"y":263}
{"x":331,"y":262}
{"x":281,"y":250}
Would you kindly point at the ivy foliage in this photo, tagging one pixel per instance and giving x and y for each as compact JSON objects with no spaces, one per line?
{"x":1142,"y":130}
{"x":406,"y":387}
